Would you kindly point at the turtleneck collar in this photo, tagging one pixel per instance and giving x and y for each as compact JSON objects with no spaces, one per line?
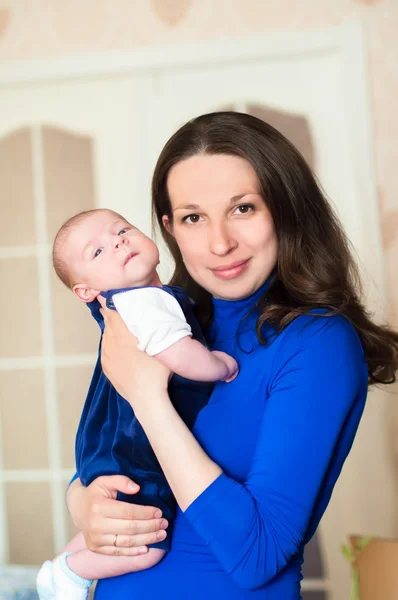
{"x":235,"y":316}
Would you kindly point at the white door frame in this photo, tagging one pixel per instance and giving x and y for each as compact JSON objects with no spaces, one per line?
{"x":348,"y":42}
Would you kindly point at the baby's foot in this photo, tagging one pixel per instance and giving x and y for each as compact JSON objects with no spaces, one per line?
{"x":44,"y":581}
{"x":68,"y":585}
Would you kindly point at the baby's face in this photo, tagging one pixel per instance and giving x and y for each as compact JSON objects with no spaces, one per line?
{"x":106,"y":252}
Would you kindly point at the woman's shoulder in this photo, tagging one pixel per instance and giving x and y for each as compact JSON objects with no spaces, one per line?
{"x":319,"y":322}
{"x":317,"y":331}
{"x":320,"y":333}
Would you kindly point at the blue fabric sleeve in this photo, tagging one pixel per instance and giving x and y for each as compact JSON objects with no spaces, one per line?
{"x":254,"y":528}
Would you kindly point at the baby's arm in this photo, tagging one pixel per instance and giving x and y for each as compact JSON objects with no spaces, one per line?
{"x":90,"y":565}
{"x":157,"y":320}
{"x":190,"y":359}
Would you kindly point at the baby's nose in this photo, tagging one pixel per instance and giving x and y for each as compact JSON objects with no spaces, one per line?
{"x":120,"y":241}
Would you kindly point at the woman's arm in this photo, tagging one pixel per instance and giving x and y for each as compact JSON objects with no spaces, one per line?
{"x":177,"y":451}
{"x":255,"y":528}
{"x":96,"y":512}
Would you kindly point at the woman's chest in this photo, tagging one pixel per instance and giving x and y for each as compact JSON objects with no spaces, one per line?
{"x":228,"y":426}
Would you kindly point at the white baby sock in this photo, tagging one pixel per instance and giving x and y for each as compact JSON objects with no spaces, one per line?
{"x":44,"y":581}
{"x":66,"y":584}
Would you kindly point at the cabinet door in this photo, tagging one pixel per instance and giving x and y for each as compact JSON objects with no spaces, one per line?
{"x":109,"y":111}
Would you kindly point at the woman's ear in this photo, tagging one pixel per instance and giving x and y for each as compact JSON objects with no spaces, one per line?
{"x":84,"y":293}
{"x":167,"y":224}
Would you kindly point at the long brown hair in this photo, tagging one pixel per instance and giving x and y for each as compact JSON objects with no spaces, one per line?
{"x":315,"y":267}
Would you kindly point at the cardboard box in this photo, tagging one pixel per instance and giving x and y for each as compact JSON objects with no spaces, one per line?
{"x":374,"y":563}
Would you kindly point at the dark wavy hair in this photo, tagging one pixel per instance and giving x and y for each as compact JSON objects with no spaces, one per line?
{"x":315,"y":267}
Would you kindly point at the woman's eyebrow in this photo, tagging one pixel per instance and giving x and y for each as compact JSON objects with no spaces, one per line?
{"x":196,"y":206}
{"x":186,"y":207}
{"x":239,"y":197}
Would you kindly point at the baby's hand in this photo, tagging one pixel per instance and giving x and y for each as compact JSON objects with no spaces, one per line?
{"x":230,"y":363}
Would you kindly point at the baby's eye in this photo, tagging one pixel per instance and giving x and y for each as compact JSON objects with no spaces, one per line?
{"x":97,"y":252}
{"x":122,"y":231}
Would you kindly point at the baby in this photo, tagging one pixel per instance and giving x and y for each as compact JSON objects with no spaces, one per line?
{"x":99,"y":252}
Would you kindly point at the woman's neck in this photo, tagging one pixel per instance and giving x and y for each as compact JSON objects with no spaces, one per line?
{"x":233,"y":316}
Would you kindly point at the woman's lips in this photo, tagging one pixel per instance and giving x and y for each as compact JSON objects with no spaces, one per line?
{"x":232,"y":270}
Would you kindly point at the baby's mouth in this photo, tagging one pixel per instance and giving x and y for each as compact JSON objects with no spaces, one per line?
{"x":129,"y":256}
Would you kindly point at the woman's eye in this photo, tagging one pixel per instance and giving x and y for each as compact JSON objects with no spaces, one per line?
{"x":122,"y":231}
{"x":97,"y":252}
{"x":191,"y":219}
{"x":244,"y":209}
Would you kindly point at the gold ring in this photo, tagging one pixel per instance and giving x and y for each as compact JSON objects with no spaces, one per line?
{"x":115,"y":539}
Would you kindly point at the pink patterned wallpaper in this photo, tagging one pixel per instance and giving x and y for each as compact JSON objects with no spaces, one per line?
{"x":44,"y":28}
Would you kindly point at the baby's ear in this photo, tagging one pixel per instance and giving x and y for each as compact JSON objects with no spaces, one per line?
{"x":84,"y":293}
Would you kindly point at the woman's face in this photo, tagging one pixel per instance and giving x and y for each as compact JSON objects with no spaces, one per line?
{"x":221,"y":224}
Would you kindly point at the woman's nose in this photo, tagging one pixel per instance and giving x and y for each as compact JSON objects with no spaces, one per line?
{"x":221,"y":240}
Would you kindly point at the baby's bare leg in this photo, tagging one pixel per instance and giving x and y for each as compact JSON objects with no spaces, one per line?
{"x":90,"y":565}
{"x":77,"y":543}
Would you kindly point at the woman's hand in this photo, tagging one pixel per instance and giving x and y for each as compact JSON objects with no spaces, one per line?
{"x":134,"y":374}
{"x":97,"y":513}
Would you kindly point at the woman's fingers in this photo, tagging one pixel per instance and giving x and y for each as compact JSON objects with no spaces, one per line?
{"x":115,"y":551}
{"x":101,"y":517}
{"x":109,"y":485}
{"x":135,"y":541}
{"x":114,"y":324}
{"x":126,"y":545}
{"x":134,"y":528}
{"x":101,"y":300}
{"x":124,"y":510}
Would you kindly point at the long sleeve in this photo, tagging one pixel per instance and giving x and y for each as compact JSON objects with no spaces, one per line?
{"x":314,"y":402}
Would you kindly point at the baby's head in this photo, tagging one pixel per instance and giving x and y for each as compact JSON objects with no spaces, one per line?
{"x":99,"y":250}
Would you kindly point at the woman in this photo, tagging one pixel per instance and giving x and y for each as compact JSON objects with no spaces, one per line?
{"x":258,"y":248}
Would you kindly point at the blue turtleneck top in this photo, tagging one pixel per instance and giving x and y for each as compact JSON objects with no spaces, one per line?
{"x":281,"y":432}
